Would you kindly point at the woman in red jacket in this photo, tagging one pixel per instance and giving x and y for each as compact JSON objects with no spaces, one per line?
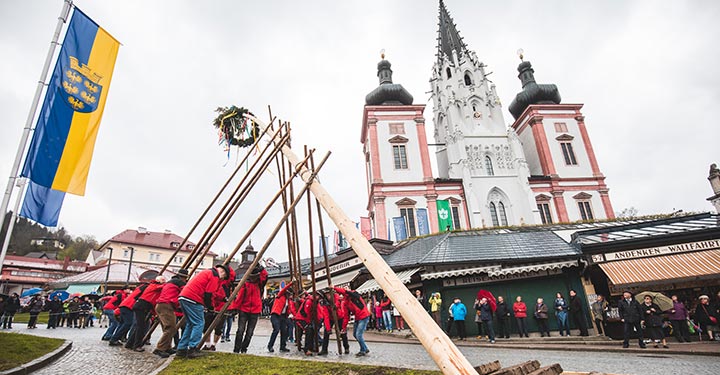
{"x":356,"y":306}
{"x":279,"y":318}
{"x":520,"y":311}
{"x":249,"y":305}
{"x":109,"y":311}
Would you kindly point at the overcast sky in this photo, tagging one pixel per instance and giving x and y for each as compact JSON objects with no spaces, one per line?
{"x":644,"y":70}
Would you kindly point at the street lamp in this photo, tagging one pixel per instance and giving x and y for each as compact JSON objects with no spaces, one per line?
{"x":107,"y":273}
{"x":132,"y":252}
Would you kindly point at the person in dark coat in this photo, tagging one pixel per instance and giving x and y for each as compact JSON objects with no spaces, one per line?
{"x":541,"y":315}
{"x":678,"y":316}
{"x":631,"y":314}
{"x":653,"y":321}
{"x":11,"y":307}
{"x":704,"y":316}
{"x":503,"y":318}
{"x":2,"y":308}
{"x":36,"y":305}
{"x":577,"y":313}
{"x":486,"y":316}
{"x":55,"y":308}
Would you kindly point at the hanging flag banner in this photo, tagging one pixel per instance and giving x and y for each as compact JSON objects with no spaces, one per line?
{"x":400,"y":228}
{"x":61,"y":150}
{"x":42,"y":204}
{"x":444,"y":219}
{"x":366,"y":227}
{"x":323,"y":245}
{"x":422,"y":221}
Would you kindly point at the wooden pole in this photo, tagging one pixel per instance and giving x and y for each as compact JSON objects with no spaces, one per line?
{"x":260,"y":253}
{"x":442,"y":350}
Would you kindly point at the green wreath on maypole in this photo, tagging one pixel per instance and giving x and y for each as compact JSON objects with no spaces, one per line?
{"x":234,"y":129}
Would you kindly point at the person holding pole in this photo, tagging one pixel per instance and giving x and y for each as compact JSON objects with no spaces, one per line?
{"x":194,"y":298}
{"x":167,"y":305}
{"x":356,"y":306}
{"x":249,"y":304}
{"x":279,"y":317}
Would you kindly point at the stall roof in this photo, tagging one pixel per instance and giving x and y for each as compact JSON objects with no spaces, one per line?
{"x":648,"y":230}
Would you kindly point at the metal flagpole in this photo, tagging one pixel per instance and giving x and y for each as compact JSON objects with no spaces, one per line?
{"x":28,"y":127}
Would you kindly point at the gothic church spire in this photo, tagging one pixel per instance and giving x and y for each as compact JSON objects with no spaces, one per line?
{"x":449,"y":38}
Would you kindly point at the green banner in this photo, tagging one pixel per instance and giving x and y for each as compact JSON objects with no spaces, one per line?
{"x":444,"y":217}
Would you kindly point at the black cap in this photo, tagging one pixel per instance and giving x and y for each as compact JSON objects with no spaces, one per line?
{"x":224,"y":267}
{"x":183,"y":273}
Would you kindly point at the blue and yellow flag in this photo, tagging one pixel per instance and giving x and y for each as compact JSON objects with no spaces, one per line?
{"x":61,"y":149}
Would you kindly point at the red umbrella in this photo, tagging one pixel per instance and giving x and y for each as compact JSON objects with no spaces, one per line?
{"x":491,"y":299}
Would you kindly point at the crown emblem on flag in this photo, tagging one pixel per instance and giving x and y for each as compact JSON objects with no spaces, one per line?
{"x":81,"y":86}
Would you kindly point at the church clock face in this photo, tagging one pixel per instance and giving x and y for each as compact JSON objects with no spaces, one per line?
{"x":477,"y":114}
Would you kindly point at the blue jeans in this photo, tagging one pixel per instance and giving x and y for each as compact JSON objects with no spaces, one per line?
{"x":563,"y":322}
{"x":228,"y":327}
{"x":194,"y":324}
{"x":128,"y":318}
{"x":112,"y":324}
{"x":279,"y":325}
{"x":360,"y":326}
{"x":387,"y":319}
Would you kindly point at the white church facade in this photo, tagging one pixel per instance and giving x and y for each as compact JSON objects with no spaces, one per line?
{"x":541,"y":169}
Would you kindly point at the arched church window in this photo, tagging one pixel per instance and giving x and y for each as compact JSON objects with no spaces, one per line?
{"x":449,"y":74}
{"x":468,"y":79}
{"x":493,"y":214}
{"x":501,"y":213}
{"x":489,"y":166}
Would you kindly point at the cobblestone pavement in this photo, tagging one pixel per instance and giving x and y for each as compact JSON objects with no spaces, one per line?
{"x":90,"y":355}
{"x":89,"y":352}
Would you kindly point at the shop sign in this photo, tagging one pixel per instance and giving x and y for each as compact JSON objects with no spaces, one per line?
{"x":655,"y":251}
{"x":485,"y":279}
{"x":338,"y":267}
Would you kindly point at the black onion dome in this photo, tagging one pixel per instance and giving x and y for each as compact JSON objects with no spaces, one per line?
{"x":532,"y":93}
{"x":387,"y":93}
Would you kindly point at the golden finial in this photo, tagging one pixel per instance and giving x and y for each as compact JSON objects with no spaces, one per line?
{"x":382,"y":53}
{"x":520,"y":54}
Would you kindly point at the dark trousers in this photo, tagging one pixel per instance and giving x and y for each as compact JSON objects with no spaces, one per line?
{"x":680,"y":330}
{"x":279,"y":325}
{"x":542,"y":323}
{"x":579,"y":320}
{"x":72,"y":320}
{"x":628,"y":330}
{"x":141,"y":327}
{"x":522,"y":328}
{"x":489,"y":329}
{"x":343,"y":337}
{"x":600,"y":324}
{"x":126,"y":318}
{"x":33,"y":319}
{"x":448,"y":327}
{"x":310,"y":338}
{"x":460,"y":326}
{"x":246,"y":328}
{"x":53,"y":319}
{"x":504,"y":326}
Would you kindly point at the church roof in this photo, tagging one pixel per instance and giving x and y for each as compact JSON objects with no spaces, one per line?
{"x":532,"y":93}
{"x":387,"y":93}
{"x":449,"y":38}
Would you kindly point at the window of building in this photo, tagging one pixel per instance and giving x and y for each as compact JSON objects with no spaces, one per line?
{"x":489,"y":166}
{"x":568,"y":153}
{"x":400,"y":157}
{"x":501,"y":213}
{"x":455,"y":216}
{"x":179,"y":259}
{"x":585,"y":210}
{"x":493,"y":215}
{"x":126,"y":253}
{"x":468,"y":79}
{"x":154,"y":257}
{"x":561,"y":127}
{"x":545,"y":216}
{"x":397,"y":128}
{"x":408,"y":214}
{"x":449,"y":74}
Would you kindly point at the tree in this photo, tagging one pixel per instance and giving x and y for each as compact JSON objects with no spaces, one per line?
{"x":627,"y":213}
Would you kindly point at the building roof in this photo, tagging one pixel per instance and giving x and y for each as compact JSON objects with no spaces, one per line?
{"x":41,"y":254}
{"x":388,"y":93}
{"x":482,"y":247}
{"x":449,"y":38}
{"x":42,"y":263}
{"x":283,"y":268}
{"x":163,"y":240}
{"x":118,"y":274}
{"x":649,"y":230}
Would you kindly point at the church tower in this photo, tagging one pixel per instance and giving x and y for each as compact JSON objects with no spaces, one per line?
{"x":402,"y":193}
{"x":565,"y":176}
{"x":474,"y":144}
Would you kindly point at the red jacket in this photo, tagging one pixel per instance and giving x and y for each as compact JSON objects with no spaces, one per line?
{"x":220,"y":297}
{"x":152,"y":293}
{"x":249,"y":299}
{"x":303,"y":311}
{"x":115,"y":301}
{"x":342,"y":312}
{"x":356,"y":307}
{"x":170,"y":293}
{"x":386,"y":305}
{"x":324,"y":315}
{"x":520,"y":309}
{"x":132,"y":298}
{"x":201,"y":287}
{"x":281,"y":301}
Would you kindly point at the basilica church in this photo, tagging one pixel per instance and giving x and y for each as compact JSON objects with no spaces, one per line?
{"x":540,"y":169}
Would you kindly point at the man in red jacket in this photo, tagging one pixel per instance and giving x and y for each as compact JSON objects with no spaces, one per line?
{"x":357,"y":306}
{"x":166,"y":306}
{"x":109,"y":311}
{"x":194,"y":298}
{"x":127,"y":318}
{"x":279,"y":317}
{"x":248,"y":303}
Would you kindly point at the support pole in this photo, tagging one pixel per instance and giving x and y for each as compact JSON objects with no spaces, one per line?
{"x":442,"y":350}
{"x":67,"y":4}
